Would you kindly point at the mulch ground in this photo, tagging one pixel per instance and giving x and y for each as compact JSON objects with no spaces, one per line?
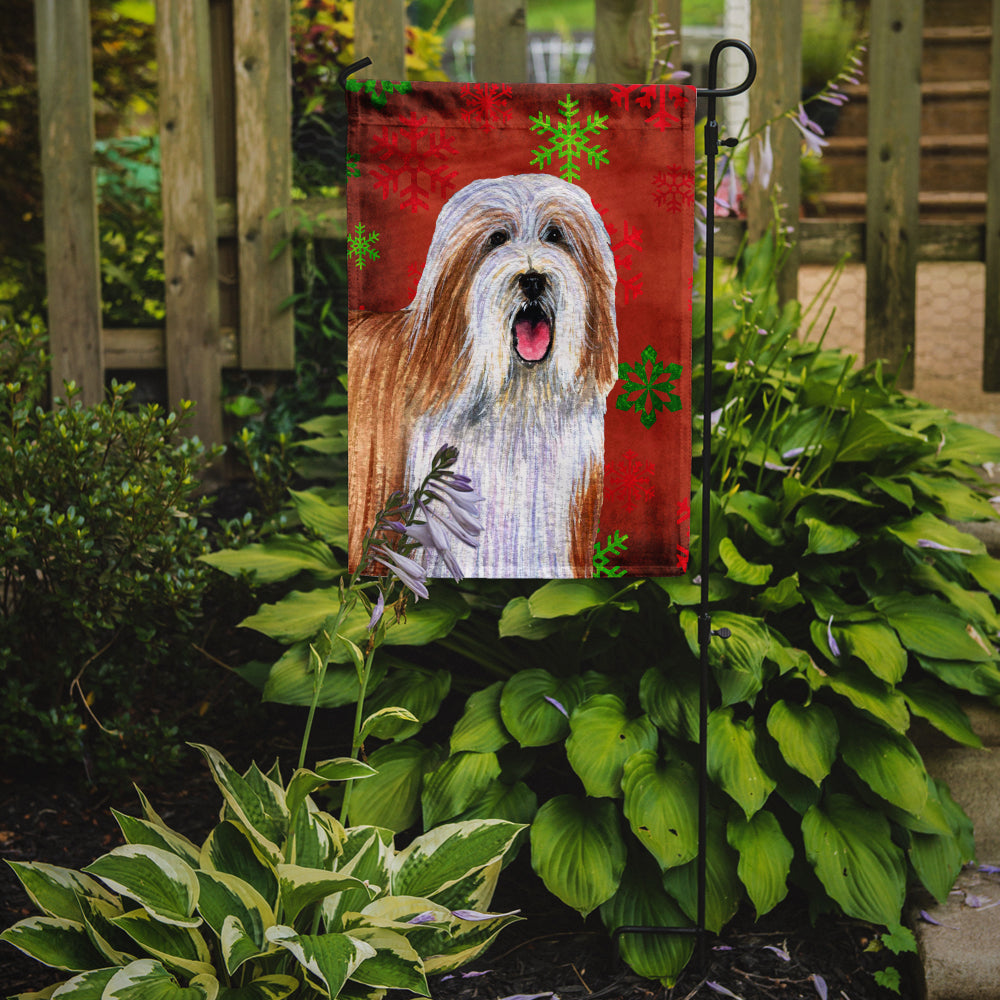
{"x":551,"y":952}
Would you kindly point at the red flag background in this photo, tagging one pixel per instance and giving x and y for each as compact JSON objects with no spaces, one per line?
{"x":631,"y":149}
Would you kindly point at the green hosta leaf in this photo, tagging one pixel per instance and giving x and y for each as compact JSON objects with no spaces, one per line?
{"x":986,"y":571}
{"x":230,"y":849}
{"x":723,"y":889}
{"x":527,"y":711}
{"x":928,"y":528}
{"x":438,"y":859}
{"x":965,"y":443}
{"x":515,"y":803}
{"x":765,"y":858}
{"x":163,"y":884}
{"x":976,"y":678}
{"x":956,"y":500}
{"x":888,"y":763}
{"x":641,"y":901}
{"x":481,"y":728}
{"x":304,"y":782}
{"x":292,"y":680}
{"x":684,"y":593}
{"x":225,"y":897}
{"x":325,"y":519}
{"x":578,"y":851}
{"x":54,"y":941}
{"x":301,"y":887}
{"x":941,"y":709}
{"x":395,"y":964}
{"x":386,"y":723}
{"x":758,"y":511}
{"x":738,"y":661}
{"x":937,"y":859}
{"x":391,"y":798}
{"x":661,"y":799}
{"x":147,"y":979}
{"x":569,"y":597}
{"x":807,"y":736}
{"x":876,"y":646}
{"x":416,"y":689}
{"x":279,"y":558}
{"x":602,"y":738}
{"x":56,"y":891}
{"x":975,"y":605}
{"x":865,"y":692}
{"x":180,"y":948}
{"x":517,"y":620}
{"x":141,"y":831}
{"x":931,"y":628}
{"x":828,"y":539}
{"x":330,"y":959}
{"x":275,"y":987}
{"x":732,"y":760}
{"x":893,"y":488}
{"x":261,"y":809}
{"x":456,"y":784}
{"x":738,"y":569}
{"x":670,"y":698}
{"x":870,"y":436}
{"x":783,"y":595}
{"x":850,"y":847}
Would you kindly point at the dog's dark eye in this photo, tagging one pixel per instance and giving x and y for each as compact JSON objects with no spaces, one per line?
{"x":553,"y":235}
{"x":498,"y":238}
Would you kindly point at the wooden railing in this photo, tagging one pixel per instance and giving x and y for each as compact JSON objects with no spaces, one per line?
{"x":226,"y":160}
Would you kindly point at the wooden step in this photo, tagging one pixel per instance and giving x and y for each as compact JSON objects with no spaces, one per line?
{"x":956,"y":53}
{"x":940,"y":13}
{"x":958,"y":206}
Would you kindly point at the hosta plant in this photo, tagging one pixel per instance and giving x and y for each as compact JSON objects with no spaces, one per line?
{"x":279,"y":900}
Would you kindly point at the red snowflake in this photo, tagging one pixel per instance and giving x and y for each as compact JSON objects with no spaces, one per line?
{"x":485,"y":103}
{"x":683,"y":510}
{"x":683,"y":555}
{"x":673,"y":188}
{"x":409,"y":153}
{"x":650,"y":94}
{"x":629,"y":480}
{"x":413,"y":272}
{"x":630,"y":285}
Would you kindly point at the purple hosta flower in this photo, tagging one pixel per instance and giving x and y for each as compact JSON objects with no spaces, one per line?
{"x":990,"y":869}
{"x":727,"y":197}
{"x":410,"y":573}
{"x":834,"y":648}
{"x":719,"y":988}
{"x":377,"y":611}
{"x":820,"y":983}
{"x":465,"y":975}
{"x":780,"y":952}
{"x":927,"y":543}
{"x":475,"y":915}
{"x":811,"y":132}
{"x":552,"y":701}
{"x":760,"y":166}
{"x":427,"y":917}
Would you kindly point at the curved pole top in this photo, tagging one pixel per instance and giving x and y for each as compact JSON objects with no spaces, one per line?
{"x":348,"y":70}
{"x":712,"y":90}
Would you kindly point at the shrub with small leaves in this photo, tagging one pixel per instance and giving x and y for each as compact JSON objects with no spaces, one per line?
{"x":99,"y":578}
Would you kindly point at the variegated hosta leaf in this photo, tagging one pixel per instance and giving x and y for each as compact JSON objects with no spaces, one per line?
{"x":304,"y":782}
{"x":54,"y":941}
{"x":850,"y":847}
{"x":456,"y":784}
{"x":578,"y":851}
{"x":177,"y":947}
{"x":765,"y":858}
{"x":395,"y":964}
{"x":602,"y":737}
{"x":481,"y":727}
{"x":300,"y":887}
{"x":315,"y":838}
{"x":141,"y":831}
{"x":807,"y":736}
{"x":367,"y":853}
{"x":256,"y":801}
{"x":274,"y":987}
{"x":661,"y":799}
{"x":225,"y":897}
{"x":56,"y":891}
{"x":642,"y":902}
{"x":158,"y":880}
{"x":732,"y":760}
{"x":466,"y":941}
{"x":147,"y":979}
{"x":116,"y":946}
{"x":86,"y":986}
{"x":329,"y":959}
{"x":230,"y":849}
{"x":441,"y":857}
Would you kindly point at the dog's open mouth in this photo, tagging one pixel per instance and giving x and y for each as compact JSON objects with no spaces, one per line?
{"x":532,"y":334}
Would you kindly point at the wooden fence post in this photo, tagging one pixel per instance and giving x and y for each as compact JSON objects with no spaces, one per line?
{"x":262,"y":61}
{"x":190,"y":253}
{"x":991,"y":332}
{"x":621,"y":40}
{"x":380,"y":34}
{"x":892,"y":214}
{"x":72,"y":255}
{"x":776,"y":35}
{"x":501,"y":41}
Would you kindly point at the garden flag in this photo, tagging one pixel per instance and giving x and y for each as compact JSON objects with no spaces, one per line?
{"x":520,"y":274}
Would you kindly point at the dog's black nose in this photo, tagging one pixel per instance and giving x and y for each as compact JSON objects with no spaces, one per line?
{"x":532,"y":284}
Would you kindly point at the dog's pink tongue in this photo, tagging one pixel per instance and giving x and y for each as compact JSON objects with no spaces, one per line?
{"x":533,"y":336}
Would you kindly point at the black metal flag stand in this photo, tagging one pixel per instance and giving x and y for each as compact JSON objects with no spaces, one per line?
{"x":705,"y":631}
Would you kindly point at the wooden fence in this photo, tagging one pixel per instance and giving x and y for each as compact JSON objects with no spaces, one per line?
{"x":226,"y":161}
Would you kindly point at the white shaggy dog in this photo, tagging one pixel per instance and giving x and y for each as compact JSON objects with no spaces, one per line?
{"x":508,"y":351}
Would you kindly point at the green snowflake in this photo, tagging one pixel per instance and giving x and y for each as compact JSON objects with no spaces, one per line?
{"x":650,"y":390}
{"x":569,"y":140}
{"x":362,"y":245}
{"x":615,"y":547}
{"x":353,"y":166}
{"x":378,"y":91}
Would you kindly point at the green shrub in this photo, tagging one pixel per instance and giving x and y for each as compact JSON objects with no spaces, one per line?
{"x":280,"y":899}
{"x":99,"y":539}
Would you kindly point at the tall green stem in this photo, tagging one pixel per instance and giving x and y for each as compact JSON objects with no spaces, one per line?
{"x":357,"y":738}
